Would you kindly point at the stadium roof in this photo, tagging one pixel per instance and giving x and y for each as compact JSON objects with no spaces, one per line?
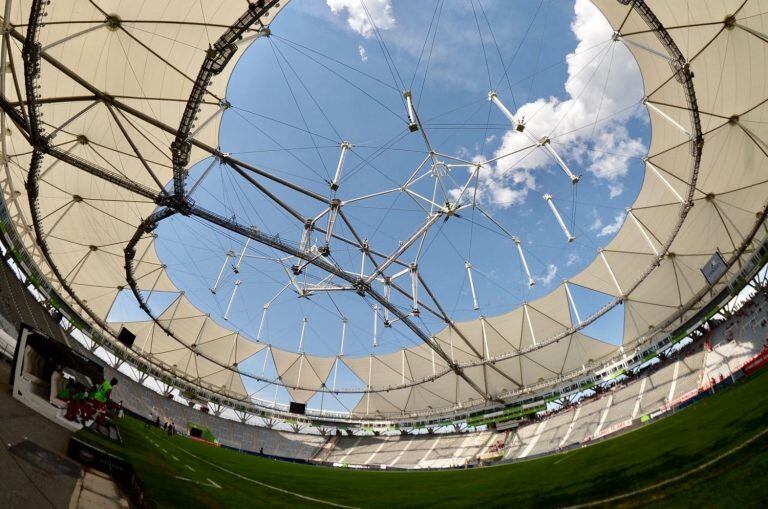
{"x":86,"y":186}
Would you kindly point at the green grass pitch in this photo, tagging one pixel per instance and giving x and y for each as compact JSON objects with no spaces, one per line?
{"x":716,"y":453}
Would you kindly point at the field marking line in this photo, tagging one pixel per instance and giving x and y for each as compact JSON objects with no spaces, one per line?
{"x":566,"y":456}
{"x":263,"y":484}
{"x":678,"y":477}
{"x":210,"y":483}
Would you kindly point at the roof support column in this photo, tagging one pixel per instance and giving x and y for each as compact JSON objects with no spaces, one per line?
{"x":610,"y":271}
{"x":664,"y":180}
{"x":573,"y":303}
{"x":666,"y":117}
{"x":643,"y":232}
{"x":528,"y":320}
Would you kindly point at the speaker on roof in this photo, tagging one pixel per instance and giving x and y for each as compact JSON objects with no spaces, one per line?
{"x":126,"y":337}
{"x":297,"y":408}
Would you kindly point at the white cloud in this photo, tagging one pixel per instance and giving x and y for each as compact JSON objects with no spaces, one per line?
{"x":612,"y":149}
{"x":615,"y":190}
{"x":362,"y":15}
{"x":547,"y":279}
{"x":611,"y":228}
{"x":597,"y":221}
{"x":362,"y":52}
{"x":603,"y":84}
{"x":572,"y":259}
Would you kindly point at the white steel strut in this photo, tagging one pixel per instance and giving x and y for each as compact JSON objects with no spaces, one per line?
{"x":475,"y":305}
{"x":266,"y":309}
{"x":486,"y":350}
{"x":261,"y":322}
{"x":573,"y":303}
{"x":343,"y":335}
{"x":230,"y":254}
{"x":345,"y":147}
{"x":412,"y":125}
{"x":231,"y":299}
{"x":543,"y":141}
{"x":664,"y":180}
{"x":333,"y":214}
{"x":651,"y":106}
{"x":431,"y":219}
{"x":610,"y":271}
{"x":388,"y":297}
{"x":202,"y":178}
{"x":301,"y":336}
{"x":236,"y":267}
{"x":618,"y":37}
{"x":335,"y":372}
{"x":375,"y":325}
{"x":414,"y":289}
{"x":548,"y":198}
{"x":528,"y":320}
{"x":643,"y":232}
{"x":531,"y":281}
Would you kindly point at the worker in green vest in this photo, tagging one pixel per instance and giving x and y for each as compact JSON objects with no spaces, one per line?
{"x":101,"y":398}
{"x":103,"y":391}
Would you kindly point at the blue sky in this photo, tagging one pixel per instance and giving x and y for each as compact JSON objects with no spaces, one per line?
{"x":327,"y":76}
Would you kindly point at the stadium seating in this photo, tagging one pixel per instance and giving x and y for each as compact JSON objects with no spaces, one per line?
{"x":146,"y":402}
{"x":409,"y":451}
{"x":18,"y":305}
{"x":736,"y":341}
{"x":612,"y":411}
{"x":591,"y":419}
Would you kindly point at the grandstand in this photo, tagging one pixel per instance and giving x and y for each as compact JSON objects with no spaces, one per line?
{"x":624,"y":405}
{"x":236,"y":435}
{"x":668,"y":384}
